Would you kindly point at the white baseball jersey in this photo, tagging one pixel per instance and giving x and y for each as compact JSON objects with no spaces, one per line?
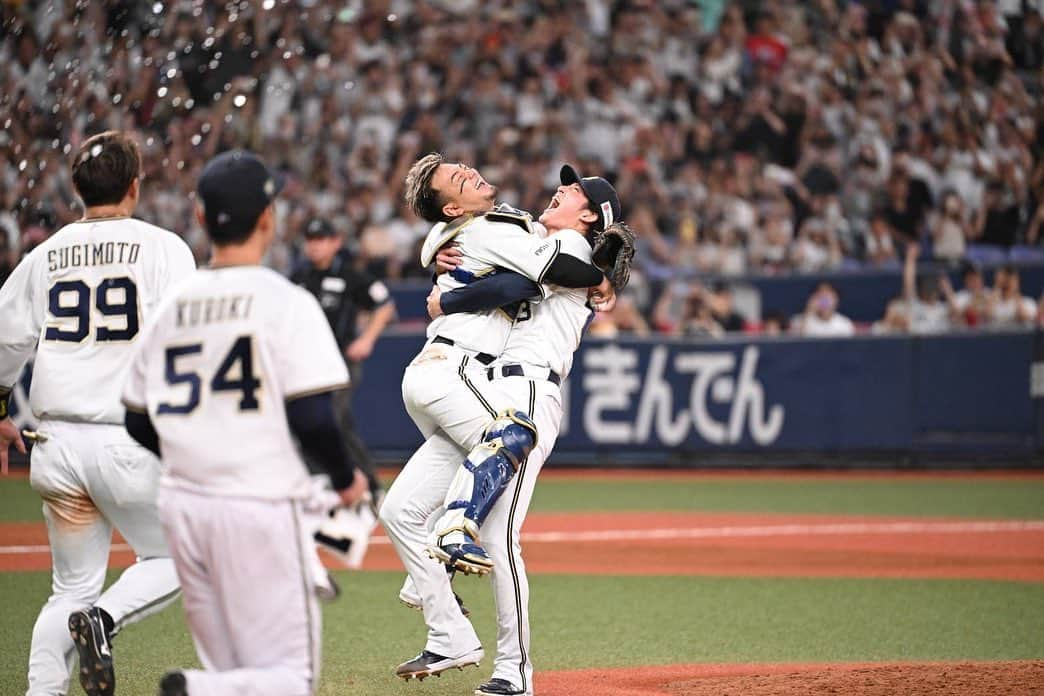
{"x":81,"y":299}
{"x":495,"y":240}
{"x":550,"y":332}
{"x":214,"y":371}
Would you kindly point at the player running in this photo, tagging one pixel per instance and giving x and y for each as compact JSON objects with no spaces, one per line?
{"x":81,"y":300}
{"x":537,"y":358}
{"x":238,"y":362}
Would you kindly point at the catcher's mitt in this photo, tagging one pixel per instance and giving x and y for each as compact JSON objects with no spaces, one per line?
{"x":613,"y":252}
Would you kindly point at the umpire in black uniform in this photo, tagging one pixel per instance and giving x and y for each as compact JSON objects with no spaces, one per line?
{"x":342,"y":290}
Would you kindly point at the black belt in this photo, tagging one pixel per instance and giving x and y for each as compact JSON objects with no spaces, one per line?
{"x":518,"y":371}
{"x":484,"y":358}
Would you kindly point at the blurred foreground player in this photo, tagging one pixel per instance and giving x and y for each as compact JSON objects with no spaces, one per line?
{"x":238,"y":362}
{"x":81,"y":300}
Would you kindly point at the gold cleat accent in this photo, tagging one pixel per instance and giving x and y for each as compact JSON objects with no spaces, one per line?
{"x":465,"y":564}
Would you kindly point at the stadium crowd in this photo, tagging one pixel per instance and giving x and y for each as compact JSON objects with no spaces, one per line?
{"x":744,"y":137}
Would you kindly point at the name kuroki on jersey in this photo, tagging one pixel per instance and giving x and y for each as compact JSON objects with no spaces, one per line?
{"x":210,"y":310}
{"x":99,"y":254}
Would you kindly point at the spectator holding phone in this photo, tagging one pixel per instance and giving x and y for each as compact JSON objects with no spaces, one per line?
{"x":821,"y":317}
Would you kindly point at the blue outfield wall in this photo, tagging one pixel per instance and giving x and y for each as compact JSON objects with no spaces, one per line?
{"x":966,"y":393}
{"x":644,"y":400}
{"x":864,"y":294}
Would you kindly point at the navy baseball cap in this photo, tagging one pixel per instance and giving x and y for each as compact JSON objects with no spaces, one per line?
{"x":235,"y":188}
{"x":599,"y":192}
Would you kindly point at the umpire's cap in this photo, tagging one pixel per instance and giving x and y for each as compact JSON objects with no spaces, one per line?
{"x":599,"y":192}
{"x":235,"y":188}
{"x":317,"y":228}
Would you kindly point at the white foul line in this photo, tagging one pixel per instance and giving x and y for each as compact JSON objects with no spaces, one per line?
{"x":745,"y":531}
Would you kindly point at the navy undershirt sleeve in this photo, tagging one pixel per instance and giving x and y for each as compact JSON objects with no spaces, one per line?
{"x":570,"y":272}
{"x":140,"y":427}
{"x":313,"y":423}
{"x":491,"y":292}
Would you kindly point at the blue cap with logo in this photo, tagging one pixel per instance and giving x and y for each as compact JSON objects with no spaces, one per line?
{"x":235,"y":188}
{"x":599,"y":192}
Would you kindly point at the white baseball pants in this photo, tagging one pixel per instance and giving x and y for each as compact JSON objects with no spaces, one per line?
{"x":442,"y":391}
{"x":93,"y":477}
{"x":449,"y":398}
{"x":247,"y":570}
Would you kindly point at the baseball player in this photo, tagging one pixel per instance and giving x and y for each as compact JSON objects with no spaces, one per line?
{"x":458,"y":410}
{"x":538,"y":356}
{"x":82,"y":299}
{"x":237,"y":363}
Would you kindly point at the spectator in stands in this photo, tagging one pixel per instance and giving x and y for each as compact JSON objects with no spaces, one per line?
{"x":774,"y":323}
{"x":879,"y":246}
{"x":997,"y":223}
{"x":926,"y":309}
{"x":821,"y":317}
{"x":720,"y":303}
{"x":908,"y":201}
{"x":623,"y":320}
{"x":896,"y":319}
{"x":699,"y":320}
{"x":1010,"y":307}
{"x":973,"y":304}
{"x":816,"y":247}
{"x":759,"y":130}
{"x":950,"y":230}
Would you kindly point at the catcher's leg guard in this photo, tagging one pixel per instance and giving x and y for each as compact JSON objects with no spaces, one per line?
{"x":479,"y":482}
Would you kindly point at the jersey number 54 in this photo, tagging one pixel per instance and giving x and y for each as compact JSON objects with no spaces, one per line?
{"x":240,"y":355}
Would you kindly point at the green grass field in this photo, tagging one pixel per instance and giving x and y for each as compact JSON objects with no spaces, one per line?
{"x":588,"y":621}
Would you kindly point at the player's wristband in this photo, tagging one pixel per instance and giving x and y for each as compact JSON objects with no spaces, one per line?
{"x":5,"y":397}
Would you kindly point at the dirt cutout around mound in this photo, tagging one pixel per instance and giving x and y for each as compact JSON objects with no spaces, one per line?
{"x":862,"y":679}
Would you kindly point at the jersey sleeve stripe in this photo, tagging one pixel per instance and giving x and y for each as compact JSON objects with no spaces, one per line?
{"x":131,"y":406}
{"x":550,"y":260}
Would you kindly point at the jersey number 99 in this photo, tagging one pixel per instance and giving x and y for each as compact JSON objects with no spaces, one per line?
{"x":60,"y":307}
{"x":241,"y":353}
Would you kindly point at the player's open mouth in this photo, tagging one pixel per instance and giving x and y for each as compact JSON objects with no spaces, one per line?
{"x":554,"y":203}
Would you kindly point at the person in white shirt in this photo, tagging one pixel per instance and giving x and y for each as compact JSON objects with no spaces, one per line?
{"x":239,"y":364}
{"x":821,"y":317}
{"x":1010,"y":307}
{"x":927,"y":311}
{"x":82,"y":299}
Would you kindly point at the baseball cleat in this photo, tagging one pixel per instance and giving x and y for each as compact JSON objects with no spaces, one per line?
{"x":498,"y":687}
{"x":173,"y":684}
{"x":428,"y":663}
{"x":413,"y":602}
{"x":467,"y":557}
{"x":87,"y":629}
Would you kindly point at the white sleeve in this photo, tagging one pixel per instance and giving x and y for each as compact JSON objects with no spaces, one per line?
{"x":22,"y":314}
{"x":574,"y":244}
{"x":309,"y":359}
{"x":511,"y":247}
{"x":180,"y":263}
{"x":134,"y":388}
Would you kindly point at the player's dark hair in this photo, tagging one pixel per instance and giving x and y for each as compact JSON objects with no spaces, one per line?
{"x":420,"y":194}
{"x":104,"y":168}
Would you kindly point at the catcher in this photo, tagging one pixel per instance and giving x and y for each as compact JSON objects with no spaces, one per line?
{"x":538,"y":356}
